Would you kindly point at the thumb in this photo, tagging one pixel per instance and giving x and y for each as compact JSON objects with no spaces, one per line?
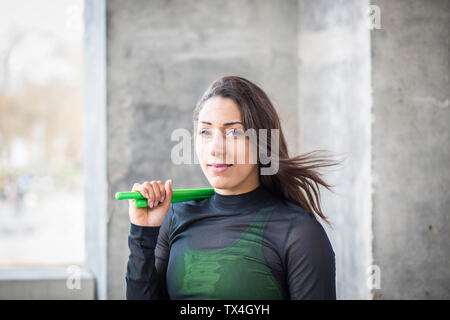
{"x":169,"y":191}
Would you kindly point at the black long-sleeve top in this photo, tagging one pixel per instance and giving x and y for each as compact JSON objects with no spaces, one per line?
{"x":248,"y":246}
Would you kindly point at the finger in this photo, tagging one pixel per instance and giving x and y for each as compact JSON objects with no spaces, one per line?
{"x":169,"y":191}
{"x":162,"y":191}
{"x":157,"y":193}
{"x":141,"y":189}
{"x":135,"y":186}
{"x":151,"y":193}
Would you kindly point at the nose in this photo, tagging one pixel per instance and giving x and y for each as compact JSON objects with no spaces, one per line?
{"x":217,"y":145}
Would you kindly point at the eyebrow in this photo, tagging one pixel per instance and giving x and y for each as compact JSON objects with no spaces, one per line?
{"x":225,"y":124}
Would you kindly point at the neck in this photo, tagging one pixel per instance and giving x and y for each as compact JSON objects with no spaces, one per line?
{"x":236,"y":191}
{"x":241,"y":200}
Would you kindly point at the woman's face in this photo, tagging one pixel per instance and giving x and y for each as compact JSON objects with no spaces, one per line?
{"x":220,"y":140}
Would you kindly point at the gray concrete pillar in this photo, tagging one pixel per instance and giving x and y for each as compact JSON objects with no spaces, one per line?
{"x":95,"y":138}
{"x":411,"y":153}
{"x":334,"y":115}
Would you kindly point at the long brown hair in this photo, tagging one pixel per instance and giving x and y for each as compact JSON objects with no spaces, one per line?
{"x":297,"y":178}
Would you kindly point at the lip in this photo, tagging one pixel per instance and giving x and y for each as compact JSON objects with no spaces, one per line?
{"x":219,"y":167}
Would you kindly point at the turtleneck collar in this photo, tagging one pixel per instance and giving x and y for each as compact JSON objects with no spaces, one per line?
{"x":240,"y":201}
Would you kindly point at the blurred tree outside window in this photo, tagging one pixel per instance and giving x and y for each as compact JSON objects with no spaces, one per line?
{"x":41,"y":172}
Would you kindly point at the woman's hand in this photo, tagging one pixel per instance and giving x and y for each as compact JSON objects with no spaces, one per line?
{"x":158,"y":197}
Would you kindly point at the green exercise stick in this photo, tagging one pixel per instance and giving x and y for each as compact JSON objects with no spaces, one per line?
{"x":179,"y":195}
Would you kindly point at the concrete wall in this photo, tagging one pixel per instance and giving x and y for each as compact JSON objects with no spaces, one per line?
{"x":334,"y":115}
{"x":161,"y":56}
{"x":379,"y":98}
{"x":411,"y":153}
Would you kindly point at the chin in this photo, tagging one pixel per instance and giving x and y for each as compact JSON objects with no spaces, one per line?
{"x":221,"y":183}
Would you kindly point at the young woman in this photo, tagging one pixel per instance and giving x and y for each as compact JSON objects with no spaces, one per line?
{"x":257,"y":237}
